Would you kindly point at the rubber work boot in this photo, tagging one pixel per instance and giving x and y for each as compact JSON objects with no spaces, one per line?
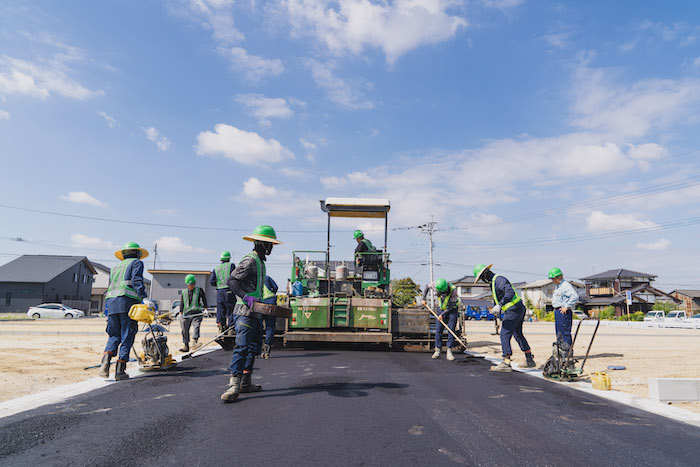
{"x":436,"y":354}
{"x":266,"y":351}
{"x":247,"y":384}
{"x":196,"y":344}
{"x":185,"y":347}
{"x":120,"y":372}
{"x":450,"y":357}
{"x":232,"y":393}
{"x":504,"y":366}
{"x":106,"y":361}
{"x":530,"y":360}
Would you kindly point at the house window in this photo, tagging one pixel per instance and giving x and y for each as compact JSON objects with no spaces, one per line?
{"x":75,"y":277}
{"x":8,"y":298}
{"x":466,"y":290}
{"x":94,"y":304}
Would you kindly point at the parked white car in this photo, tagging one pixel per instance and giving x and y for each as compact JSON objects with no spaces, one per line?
{"x":656,"y":316}
{"x":676,"y":315}
{"x":580,"y":315}
{"x":54,"y":310}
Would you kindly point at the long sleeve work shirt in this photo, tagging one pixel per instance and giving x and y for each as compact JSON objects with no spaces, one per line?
{"x":202,"y":298}
{"x":453,"y":303}
{"x":504,"y":290}
{"x":564,"y":295}
{"x":212,"y":278}
{"x":134,"y":273}
{"x":242,"y":281}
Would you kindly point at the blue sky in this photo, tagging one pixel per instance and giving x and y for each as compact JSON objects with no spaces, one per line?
{"x":536,"y":133}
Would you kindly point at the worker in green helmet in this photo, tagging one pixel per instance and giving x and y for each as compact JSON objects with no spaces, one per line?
{"x":363,"y":245}
{"x":506,"y":300}
{"x":126,"y":288}
{"x":449,"y":304}
{"x":247,"y":281}
{"x":193,"y":302}
{"x":225,"y":299}
{"x":564,"y":299}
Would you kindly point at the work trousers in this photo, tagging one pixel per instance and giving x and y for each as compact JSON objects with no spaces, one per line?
{"x":451,"y":319}
{"x":512,"y":326}
{"x":562,"y":324}
{"x":186,"y":322}
{"x":248,"y":330}
{"x":270,"y":329}
{"x":122,"y":331}
{"x":225,"y":301}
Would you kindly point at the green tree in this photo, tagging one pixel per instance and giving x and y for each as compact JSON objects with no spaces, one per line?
{"x":404,"y":291}
{"x":608,"y":313}
{"x":664,"y":306}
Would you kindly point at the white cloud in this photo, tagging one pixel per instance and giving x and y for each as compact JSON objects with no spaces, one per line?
{"x":482,"y":219}
{"x":153,"y":135}
{"x":217,"y":17}
{"x":41,"y":79}
{"x":83,"y":241}
{"x":630,"y":110}
{"x":307,"y":144}
{"x":598,"y":221}
{"x":241,"y":146}
{"x":254,"y":188}
{"x":108,"y":118}
{"x":337,"y":89}
{"x":4,"y":115}
{"x":265,"y":108}
{"x":558,"y":40}
{"x":659,"y":245}
{"x":254,"y":68}
{"x":81,"y":197}
{"x":393,"y":26}
{"x":353,"y":178}
{"x":176,"y":245}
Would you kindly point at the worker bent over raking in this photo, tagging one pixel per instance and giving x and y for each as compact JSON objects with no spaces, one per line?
{"x":125,"y":289}
{"x":247,"y":282}
{"x":564,"y":299}
{"x":506,"y":299}
{"x":269,"y":297}
{"x":192,"y":305}
{"x":225,"y":299}
{"x":449,"y":304}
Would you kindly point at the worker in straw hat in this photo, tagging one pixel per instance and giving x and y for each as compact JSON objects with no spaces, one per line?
{"x":506,"y":300}
{"x":125,"y":289}
{"x":247,"y":281}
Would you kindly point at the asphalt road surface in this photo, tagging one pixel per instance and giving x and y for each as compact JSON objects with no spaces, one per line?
{"x":333,"y":407}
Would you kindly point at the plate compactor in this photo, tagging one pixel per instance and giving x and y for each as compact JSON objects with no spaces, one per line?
{"x":561,"y":366}
{"x":155,"y":355}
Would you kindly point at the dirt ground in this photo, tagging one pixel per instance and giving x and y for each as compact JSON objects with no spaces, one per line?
{"x":38,"y":355}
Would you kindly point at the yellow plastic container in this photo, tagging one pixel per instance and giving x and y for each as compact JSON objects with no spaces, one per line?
{"x":141,"y":313}
{"x":601,"y":381}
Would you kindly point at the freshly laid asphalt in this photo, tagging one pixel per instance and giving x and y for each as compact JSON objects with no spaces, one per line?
{"x":335,"y":407}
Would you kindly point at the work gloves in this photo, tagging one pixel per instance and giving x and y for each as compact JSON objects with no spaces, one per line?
{"x":496,"y":310}
{"x":249,"y":301}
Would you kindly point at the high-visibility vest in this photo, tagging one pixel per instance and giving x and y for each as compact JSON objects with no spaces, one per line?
{"x":258,"y":292}
{"x":514,"y":301}
{"x":444,"y":303}
{"x":368,"y":244}
{"x":222,"y":272}
{"x":118,"y":286}
{"x":187,"y":305}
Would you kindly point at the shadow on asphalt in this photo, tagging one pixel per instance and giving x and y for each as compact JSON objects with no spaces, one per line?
{"x":312,"y":354}
{"x":335,"y":387}
{"x":483,"y":343}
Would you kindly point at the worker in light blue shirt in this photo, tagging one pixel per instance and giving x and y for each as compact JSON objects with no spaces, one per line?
{"x":563,"y":300}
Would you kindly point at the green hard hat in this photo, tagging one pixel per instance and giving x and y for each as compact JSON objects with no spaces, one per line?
{"x":190,"y":279}
{"x":263,"y":233}
{"x":225,"y":255}
{"x":555,"y":272}
{"x":358,"y":234}
{"x":441,"y":285}
{"x":479,"y":270}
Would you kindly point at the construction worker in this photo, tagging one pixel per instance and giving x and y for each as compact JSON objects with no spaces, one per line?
{"x":225,"y":299}
{"x":506,"y":299}
{"x":269,"y":297}
{"x":192,"y":306}
{"x":563,"y":300}
{"x":125,"y":289}
{"x":363,"y":245}
{"x":449,"y":304}
{"x":247,"y":281}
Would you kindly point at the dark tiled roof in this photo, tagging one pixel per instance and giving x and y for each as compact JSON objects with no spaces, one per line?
{"x":688,"y":293}
{"x":100,"y":266}
{"x":40,"y":268}
{"x":468,"y":280}
{"x":618,"y":274}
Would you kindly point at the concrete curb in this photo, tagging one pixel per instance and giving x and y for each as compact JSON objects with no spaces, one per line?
{"x":648,"y":405}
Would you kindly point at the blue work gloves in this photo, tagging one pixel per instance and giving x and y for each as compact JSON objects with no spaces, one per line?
{"x":250,"y":301}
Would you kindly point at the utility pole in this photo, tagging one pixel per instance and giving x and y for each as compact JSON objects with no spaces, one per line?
{"x":429,"y":228}
{"x":155,"y":254}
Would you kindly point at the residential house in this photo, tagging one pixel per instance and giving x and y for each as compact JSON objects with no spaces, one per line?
{"x":610,"y":288}
{"x":690,"y":299}
{"x":35,"y":279}
{"x":539,"y":293}
{"x":167,"y":286}
{"x":100,"y":285}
